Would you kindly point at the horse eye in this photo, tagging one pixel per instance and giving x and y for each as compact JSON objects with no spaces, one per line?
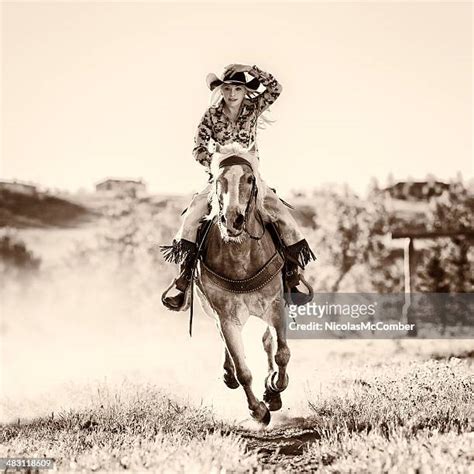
{"x":249,"y":180}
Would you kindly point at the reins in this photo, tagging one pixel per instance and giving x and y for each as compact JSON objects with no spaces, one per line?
{"x":191,"y":301}
{"x":253,"y":197}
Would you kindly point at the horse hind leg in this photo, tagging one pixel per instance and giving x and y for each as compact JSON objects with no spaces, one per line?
{"x":267,"y":341}
{"x":277,"y":381}
{"x":271,"y":396}
{"x":282,"y":357}
{"x":233,"y":340}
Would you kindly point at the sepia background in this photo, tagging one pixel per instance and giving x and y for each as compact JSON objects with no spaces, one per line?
{"x":372,"y":135}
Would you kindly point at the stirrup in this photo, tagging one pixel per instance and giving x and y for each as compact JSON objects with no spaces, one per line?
{"x":304,"y":297}
{"x":187,"y":298}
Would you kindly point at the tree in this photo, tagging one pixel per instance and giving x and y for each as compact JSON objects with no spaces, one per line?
{"x":356,"y":232}
{"x":453,"y":211}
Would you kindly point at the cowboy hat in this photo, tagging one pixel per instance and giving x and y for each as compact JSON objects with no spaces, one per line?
{"x":237,"y":78}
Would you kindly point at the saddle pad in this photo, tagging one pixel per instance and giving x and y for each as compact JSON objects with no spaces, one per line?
{"x":259,"y":280}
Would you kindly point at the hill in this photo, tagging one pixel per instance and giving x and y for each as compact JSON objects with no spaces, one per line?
{"x":39,"y":210}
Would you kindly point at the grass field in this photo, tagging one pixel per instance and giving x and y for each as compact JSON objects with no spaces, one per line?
{"x":350,"y":407}
{"x":97,"y":375}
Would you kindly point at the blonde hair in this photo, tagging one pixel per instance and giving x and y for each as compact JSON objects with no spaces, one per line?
{"x":217,"y":97}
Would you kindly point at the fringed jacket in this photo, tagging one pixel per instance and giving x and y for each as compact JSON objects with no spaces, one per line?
{"x":216,"y":127}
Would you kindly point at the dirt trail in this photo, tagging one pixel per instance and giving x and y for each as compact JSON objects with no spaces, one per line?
{"x":284,"y":447}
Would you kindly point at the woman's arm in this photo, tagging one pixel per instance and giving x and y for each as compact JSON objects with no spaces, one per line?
{"x":272,"y":88}
{"x":202,"y":139}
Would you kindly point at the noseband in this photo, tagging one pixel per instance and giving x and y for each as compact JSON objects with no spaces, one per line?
{"x":238,"y":160}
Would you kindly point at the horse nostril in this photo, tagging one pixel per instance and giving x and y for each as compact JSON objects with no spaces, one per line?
{"x":239,"y":220}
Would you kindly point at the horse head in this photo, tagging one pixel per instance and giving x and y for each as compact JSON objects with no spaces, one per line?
{"x":236,"y":193}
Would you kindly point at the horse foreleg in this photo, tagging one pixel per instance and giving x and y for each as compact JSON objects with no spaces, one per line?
{"x":229,"y":370}
{"x":233,"y":341}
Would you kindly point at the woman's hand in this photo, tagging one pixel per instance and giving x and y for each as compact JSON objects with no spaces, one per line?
{"x":233,"y":68}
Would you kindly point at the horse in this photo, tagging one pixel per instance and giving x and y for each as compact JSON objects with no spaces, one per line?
{"x":240,"y":274}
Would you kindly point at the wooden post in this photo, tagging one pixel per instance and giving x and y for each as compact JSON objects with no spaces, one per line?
{"x":409,"y":265}
{"x":407,"y":257}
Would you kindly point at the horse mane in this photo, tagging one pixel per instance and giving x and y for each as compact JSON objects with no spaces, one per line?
{"x":235,"y":149}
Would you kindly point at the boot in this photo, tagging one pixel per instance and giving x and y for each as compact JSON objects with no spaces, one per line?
{"x":185,"y":252}
{"x":296,"y":255}
{"x":292,"y":280}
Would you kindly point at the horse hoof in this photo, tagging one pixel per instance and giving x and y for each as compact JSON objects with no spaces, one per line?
{"x":273,"y":400}
{"x":271,"y":383}
{"x":230,"y":380}
{"x":261,"y":414}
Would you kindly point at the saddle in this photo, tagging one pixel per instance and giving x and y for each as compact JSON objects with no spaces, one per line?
{"x":277,"y":263}
{"x":280,"y":262}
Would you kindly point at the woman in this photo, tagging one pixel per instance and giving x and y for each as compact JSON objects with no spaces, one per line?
{"x":234,"y":119}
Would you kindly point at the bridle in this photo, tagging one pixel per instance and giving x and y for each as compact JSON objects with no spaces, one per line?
{"x":238,"y":160}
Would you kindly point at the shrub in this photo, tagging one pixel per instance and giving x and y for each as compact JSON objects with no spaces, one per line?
{"x":15,"y":254}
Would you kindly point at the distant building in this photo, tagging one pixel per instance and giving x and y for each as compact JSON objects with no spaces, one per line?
{"x":416,"y":190}
{"x":19,"y":187}
{"x":122,"y":186}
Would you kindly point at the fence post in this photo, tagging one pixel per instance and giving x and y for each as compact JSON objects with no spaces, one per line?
{"x":409,"y":273}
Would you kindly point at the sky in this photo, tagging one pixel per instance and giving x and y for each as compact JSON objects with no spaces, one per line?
{"x":116,"y":89}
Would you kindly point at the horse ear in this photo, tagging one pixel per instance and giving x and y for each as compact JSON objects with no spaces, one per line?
{"x":217,"y":148}
{"x":252,"y":148}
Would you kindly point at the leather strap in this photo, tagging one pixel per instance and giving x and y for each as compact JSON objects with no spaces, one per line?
{"x":254,"y":283}
{"x":234,"y":160}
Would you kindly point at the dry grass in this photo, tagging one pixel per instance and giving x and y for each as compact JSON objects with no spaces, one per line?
{"x":139,"y":429}
{"x":402,"y":399}
{"x":414,"y":416}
